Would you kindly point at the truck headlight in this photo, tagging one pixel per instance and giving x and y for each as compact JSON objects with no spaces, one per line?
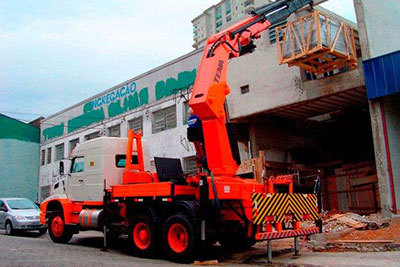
{"x":19,"y":218}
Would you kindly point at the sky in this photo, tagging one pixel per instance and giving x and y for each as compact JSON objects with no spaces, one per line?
{"x":54,"y":54}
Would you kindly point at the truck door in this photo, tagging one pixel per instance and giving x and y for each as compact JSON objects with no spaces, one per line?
{"x":76,"y":183}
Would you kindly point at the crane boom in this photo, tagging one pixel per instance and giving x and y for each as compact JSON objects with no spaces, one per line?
{"x":211,"y":88}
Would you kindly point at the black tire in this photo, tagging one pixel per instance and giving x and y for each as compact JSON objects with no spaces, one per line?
{"x":63,"y":235}
{"x":187,"y":244}
{"x":142,"y":245}
{"x":9,"y":228}
{"x":237,"y":241}
{"x":42,"y":231}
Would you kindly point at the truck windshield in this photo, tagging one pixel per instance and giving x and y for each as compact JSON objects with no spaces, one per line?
{"x":21,"y":204}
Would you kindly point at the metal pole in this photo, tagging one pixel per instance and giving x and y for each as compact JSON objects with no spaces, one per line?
{"x":269,"y":251}
{"x":296,"y":246}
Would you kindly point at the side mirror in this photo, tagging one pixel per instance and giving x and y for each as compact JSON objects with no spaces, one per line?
{"x":3,"y":209}
{"x":61,"y":169}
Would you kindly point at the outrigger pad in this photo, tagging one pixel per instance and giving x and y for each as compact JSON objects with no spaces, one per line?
{"x":169,"y":170}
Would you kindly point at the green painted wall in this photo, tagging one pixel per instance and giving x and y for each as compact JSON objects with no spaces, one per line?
{"x":19,"y":159}
{"x":15,"y":129}
{"x":119,"y":101}
{"x":172,"y":86}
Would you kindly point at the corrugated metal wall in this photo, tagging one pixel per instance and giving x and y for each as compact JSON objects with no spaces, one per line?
{"x":382,"y":75}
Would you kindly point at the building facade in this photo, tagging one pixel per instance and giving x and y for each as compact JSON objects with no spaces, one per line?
{"x":19,"y":150}
{"x":379,"y":26}
{"x":221,"y":16}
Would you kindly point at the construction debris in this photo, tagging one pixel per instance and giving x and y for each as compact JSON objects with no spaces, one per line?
{"x":206,"y":263}
{"x":340,"y":222}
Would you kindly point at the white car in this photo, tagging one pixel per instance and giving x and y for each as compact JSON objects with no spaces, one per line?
{"x":19,"y":214}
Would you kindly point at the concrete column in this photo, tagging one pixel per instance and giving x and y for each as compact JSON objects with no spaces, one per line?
{"x":377,"y":25}
{"x":380,"y":157}
{"x":392,"y":114}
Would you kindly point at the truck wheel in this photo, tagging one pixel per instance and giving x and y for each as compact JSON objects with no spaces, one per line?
{"x":42,"y":231}
{"x":142,"y":236}
{"x":58,"y":231}
{"x":178,"y":238}
{"x":236,"y":242}
{"x":9,"y":228}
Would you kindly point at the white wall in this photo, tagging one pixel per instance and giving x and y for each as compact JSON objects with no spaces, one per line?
{"x":382,"y":25}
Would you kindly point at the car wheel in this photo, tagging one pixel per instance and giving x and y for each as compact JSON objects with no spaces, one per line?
{"x":58,"y":231}
{"x":9,"y":228}
{"x":42,"y":231}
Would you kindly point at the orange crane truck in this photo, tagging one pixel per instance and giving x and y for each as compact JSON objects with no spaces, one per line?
{"x":110,"y":189}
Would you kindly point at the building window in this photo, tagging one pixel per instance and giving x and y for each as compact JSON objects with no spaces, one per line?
{"x":59,"y":152}
{"x":185,"y":112}
{"x":48,"y":155}
{"x":45,"y":192}
{"x":72,"y":144}
{"x":228,"y":18}
{"x":43,"y":157}
{"x":218,"y":24}
{"x":250,"y":9}
{"x":136,"y":124}
{"x":190,"y":165}
{"x":244,"y":89}
{"x":114,"y":131}
{"x":218,"y":12}
{"x":248,"y":2}
{"x":272,"y":33}
{"x":164,"y":119}
{"x":228,"y":7}
{"x":92,"y":136}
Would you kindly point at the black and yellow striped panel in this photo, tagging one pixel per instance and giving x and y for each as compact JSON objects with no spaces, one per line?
{"x":284,"y":207}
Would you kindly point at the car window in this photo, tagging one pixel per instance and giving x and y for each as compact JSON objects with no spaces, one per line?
{"x":1,"y":204}
{"x":78,"y":165}
{"x":21,"y":204}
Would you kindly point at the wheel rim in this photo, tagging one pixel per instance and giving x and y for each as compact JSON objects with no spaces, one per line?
{"x":178,"y":237}
{"x":57,"y":226}
{"x":8,"y":229}
{"x":142,"y":235}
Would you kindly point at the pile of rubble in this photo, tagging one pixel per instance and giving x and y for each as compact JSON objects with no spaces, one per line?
{"x":340,"y":222}
{"x":354,"y":232}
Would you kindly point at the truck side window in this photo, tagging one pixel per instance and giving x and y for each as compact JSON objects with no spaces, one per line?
{"x":120,"y":160}
{"x":77,"y":165}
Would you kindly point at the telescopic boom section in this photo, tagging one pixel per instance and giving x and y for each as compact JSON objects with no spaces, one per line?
{"x":211,"y":88}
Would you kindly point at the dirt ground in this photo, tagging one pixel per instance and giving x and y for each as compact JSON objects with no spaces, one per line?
{"x":392,"y":232}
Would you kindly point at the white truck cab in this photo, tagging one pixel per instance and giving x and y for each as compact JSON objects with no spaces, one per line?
{"x":96,"y":164}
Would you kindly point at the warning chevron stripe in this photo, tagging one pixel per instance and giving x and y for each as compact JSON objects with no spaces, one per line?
{"x":286,"y":234}
{"x":278,"y":205}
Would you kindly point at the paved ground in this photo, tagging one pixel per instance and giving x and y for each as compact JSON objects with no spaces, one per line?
{"x":32,"y":250}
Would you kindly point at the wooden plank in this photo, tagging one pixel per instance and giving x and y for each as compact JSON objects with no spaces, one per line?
{"x":305,"y":57}
{"x":363,"y":180}
{"x":204,"y":263}
{"x":334,"y":217}
{"x":245,"y":167}
{"x":352,"y":223}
